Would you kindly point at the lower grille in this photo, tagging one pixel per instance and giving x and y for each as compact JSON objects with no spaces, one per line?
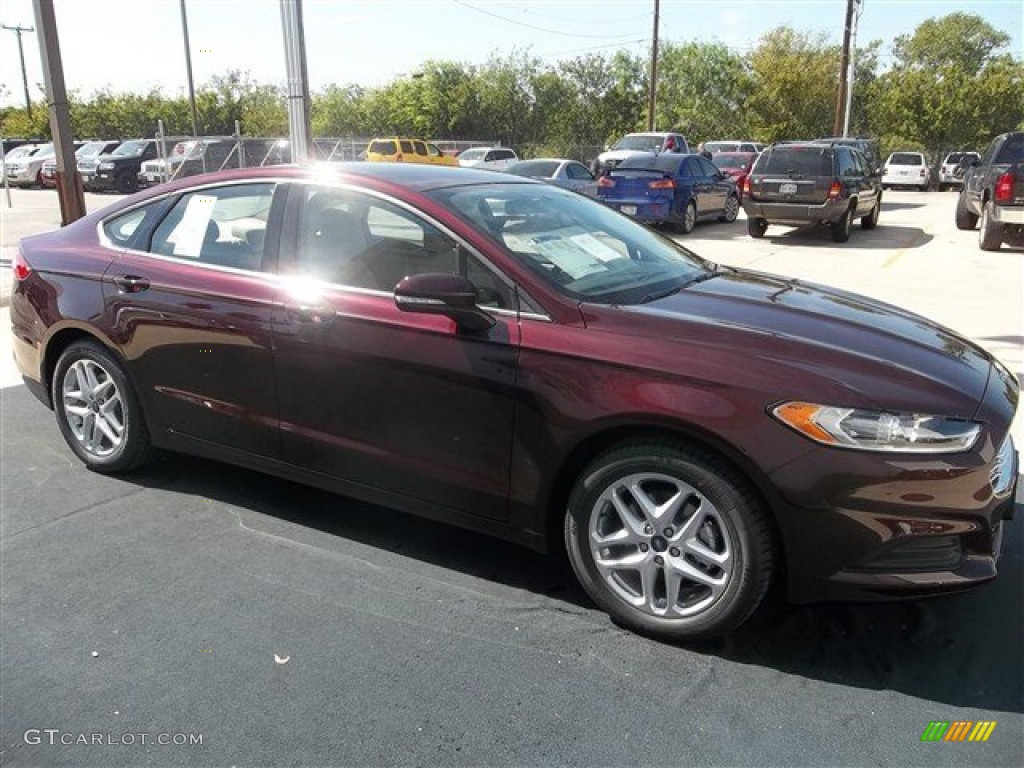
{"x":932,"y":553}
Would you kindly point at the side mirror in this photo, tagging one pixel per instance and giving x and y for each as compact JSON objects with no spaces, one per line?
{"x":443,"y":294}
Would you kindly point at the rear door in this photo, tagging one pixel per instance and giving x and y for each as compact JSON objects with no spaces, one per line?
{"x":719,"y":187}
{"x":190,"y":303}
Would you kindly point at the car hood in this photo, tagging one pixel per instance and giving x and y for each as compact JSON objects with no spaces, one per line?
{"x":805,"y":341}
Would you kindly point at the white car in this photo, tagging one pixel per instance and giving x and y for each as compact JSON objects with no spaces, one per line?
{"x":488,"y":158}
{"x":633,"y":144}
{"x":906,"y":169}
{"x":23,"y":165}
{"x":947,"y":171}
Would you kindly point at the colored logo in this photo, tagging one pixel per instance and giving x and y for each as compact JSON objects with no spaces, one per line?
{"x":958,"y":730}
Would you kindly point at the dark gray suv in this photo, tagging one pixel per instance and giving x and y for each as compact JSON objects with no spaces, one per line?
{"x":812,"y":183}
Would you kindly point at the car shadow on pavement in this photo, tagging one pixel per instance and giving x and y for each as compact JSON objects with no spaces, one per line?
{"x":883,"y":238}
{"x":891,"y":206}
{"x":961,"y":650}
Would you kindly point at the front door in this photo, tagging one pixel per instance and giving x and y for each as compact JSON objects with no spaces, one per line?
{"x":402,"y":403}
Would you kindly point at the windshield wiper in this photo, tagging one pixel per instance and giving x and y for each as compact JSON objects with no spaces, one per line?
{"x":662,"y":294}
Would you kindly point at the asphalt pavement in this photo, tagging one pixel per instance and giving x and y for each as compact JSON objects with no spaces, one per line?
{"x":280,"y":625}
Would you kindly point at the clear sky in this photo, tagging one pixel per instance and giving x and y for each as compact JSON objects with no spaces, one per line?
{"x":136,"y":44}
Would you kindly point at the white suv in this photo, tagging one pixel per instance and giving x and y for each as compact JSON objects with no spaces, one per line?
{"x":947,"y":172}
{"x":906,"y":169}
{"x":488,"y":158}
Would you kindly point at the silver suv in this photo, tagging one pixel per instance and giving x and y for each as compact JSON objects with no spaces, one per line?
{"x":953,"y":162}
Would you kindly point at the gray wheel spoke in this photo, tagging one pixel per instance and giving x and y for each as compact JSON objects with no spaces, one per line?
{"x":661,"y":572}
{"x":107,"y":431}
{"x":76,"y":410}
{"x":105,"y":386}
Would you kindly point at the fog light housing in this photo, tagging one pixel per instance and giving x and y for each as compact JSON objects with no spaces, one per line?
{"x":1004,"y":468}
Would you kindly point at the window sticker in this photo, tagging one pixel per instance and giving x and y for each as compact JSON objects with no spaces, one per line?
{"x":569,"y":256}
{"x":188,"y":236}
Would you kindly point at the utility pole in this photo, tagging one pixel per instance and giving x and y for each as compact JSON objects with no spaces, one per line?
{"x":850,"y":81}
{"x":21,"y":55}
{"x":188,"y":72}
{"x":299,"y":128}
{"x":844,"y":71}
{"x":69,"y":187}
{"x":654,"y":70}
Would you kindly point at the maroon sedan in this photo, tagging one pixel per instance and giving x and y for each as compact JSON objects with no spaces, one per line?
{"x":518,"y":359}
{"x":735,"y":165}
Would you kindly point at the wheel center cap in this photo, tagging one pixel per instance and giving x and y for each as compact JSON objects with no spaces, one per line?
{"x":658,"y":544}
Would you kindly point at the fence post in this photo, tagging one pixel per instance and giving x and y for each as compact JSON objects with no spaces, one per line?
{"x":162,"y":148}
{"x":239,"y":145}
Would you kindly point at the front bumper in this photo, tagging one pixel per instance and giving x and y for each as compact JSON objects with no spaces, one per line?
{"x":902,"y":529}
{"x":100,"y":180}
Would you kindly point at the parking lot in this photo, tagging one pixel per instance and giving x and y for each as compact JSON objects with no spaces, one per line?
{"x":287,"y":626}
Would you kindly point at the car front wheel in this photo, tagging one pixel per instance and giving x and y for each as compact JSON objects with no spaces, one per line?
{"x":669,"y":540}
{"x":871,"y":220}
{"x":965,"y":218}
{"x":990,"y":236}
{"x":97,"y":410}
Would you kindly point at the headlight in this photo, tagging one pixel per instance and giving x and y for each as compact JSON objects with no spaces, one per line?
{"x":106,"y":166}
{"x":868,"y":430}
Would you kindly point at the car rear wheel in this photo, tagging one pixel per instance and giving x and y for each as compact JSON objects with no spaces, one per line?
{"x":732,"y":209}
{"x":689,"y":220}
{"x":97,"y":410}
{"x":841,"y":228}
{"x":871,"y":220}
{"x":757,"y":227}
{"x":990,"y":236}
{"x":965,"y":218}
{"x":669,"y":540}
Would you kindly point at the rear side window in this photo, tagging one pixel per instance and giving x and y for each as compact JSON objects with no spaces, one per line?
{"x":120,"y":229}
{"x":795,"y":161}
{"x":420,"y":147}
{"x":382,"y":147}
{"x":847,"y":165}
{"x":224,"y":226}
{"x":1012,"y":150}
{"x":406,"y":146}
{"x":906,"y":158}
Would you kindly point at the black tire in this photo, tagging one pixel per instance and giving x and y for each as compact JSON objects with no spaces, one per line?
{"x":990,"y":235}
{"x":756,"y":228}
{"x":689,"y":219}
{"x":871,"y":220}
{"x":732,"y":526}
{"x":126,"y":183}
{"x":965,"y":218}
{"x":841,"y":228}
{"x":134,"y":447}
{"x":732,"y":209}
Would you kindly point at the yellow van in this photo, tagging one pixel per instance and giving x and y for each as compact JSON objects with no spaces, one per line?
{"x":399,"y":150}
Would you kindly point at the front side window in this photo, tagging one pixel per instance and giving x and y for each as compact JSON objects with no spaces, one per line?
{"x":581,"y":248}
{"x":577,"y":171}
{"x":382,"y":147}
{"x":222,"y":226}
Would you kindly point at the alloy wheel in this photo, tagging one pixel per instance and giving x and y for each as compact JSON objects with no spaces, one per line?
{"x":93,"y":408}
{"x":660,"y":545}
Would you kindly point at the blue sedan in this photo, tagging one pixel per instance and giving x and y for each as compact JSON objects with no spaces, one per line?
{"x":670,"y":189}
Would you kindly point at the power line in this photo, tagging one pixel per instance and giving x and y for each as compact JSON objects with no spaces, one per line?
{"x":542,"y":29}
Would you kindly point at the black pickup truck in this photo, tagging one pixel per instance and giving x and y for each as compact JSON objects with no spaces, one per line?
{"x":993,"y":192}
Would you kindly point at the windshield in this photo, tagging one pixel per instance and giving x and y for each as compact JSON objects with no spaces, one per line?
{"x":644,"y":142}
{"x":726,"y":160}
{"x":576,"y":245}
{"x":18,"y":152}
{"x":544,"y":169}
{"x":906,"y":158}
{"x":90,"y":149}
{"x":130,"y":149}
{"x":721,"y":146}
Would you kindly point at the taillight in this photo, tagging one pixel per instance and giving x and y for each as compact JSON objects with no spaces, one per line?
{"x":745,"y":185}
{"x":661,"y":184}
{"x":20,"y":266}
{"x":606,"y":182}
{"x":924,"y":172}
{"x":1004,"y":187}
{"x":835,"y":190}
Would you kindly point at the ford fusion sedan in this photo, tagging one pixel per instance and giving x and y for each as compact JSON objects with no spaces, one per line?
{"x":518,"y":359}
